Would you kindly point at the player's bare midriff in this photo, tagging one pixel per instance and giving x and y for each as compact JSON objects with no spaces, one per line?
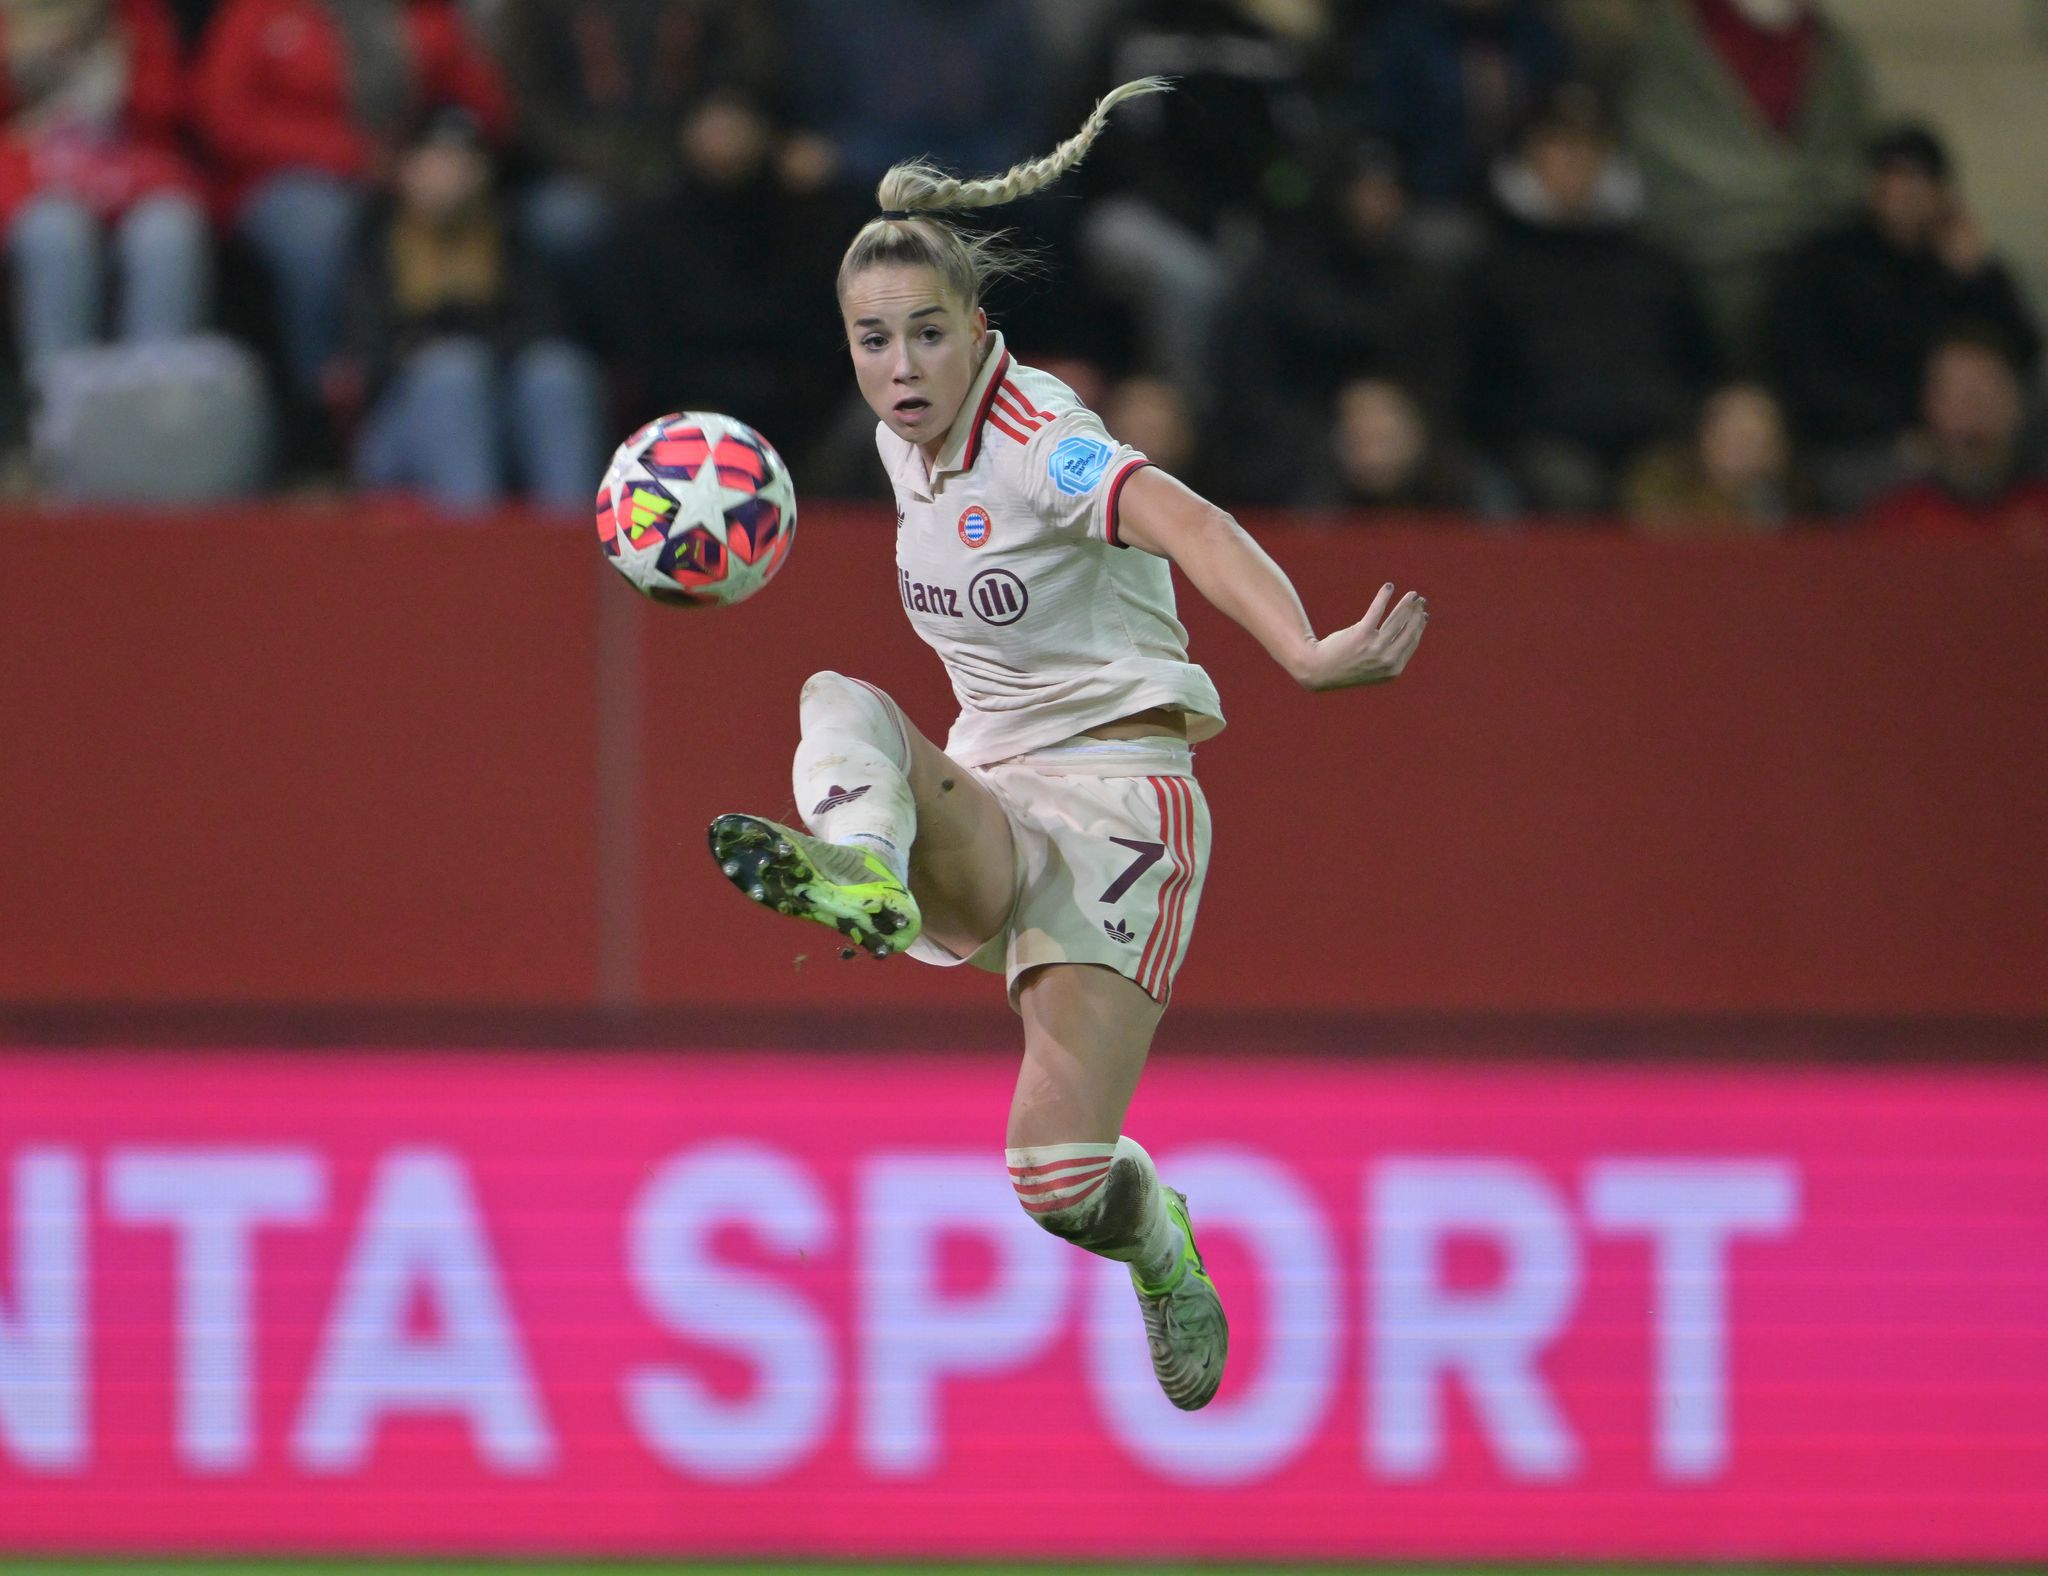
{"x":1154,"y":722}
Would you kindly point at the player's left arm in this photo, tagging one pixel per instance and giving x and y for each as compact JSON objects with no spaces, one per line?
{"x":1162,"y":516}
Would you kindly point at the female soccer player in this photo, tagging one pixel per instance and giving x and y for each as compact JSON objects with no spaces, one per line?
{"x":1060,"y":837}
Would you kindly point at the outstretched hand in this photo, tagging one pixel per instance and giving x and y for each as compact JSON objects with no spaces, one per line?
{"x":1371,"y":651}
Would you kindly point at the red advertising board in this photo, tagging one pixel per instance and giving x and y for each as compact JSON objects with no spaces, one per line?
{"x":710,"y":1303}
{"x":328,"y":758}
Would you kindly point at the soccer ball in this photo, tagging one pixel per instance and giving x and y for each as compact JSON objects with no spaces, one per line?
{"x":697,"y":509}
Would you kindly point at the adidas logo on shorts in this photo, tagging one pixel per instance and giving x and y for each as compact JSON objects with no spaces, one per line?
{"x":1118,"y":931}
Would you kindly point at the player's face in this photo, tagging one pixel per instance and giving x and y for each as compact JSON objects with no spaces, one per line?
{"x":916,"y":348}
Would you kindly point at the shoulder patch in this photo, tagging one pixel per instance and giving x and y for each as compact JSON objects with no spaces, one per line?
{"x":1077,"y":463}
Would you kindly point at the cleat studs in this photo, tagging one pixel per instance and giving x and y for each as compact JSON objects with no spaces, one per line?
{"x":846,"y":954}
{"x":783,"y":850}
{"x":758,"y":893}
{"x":731,"y":867}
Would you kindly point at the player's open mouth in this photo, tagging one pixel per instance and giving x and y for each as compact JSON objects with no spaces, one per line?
{"x":911,"y":409}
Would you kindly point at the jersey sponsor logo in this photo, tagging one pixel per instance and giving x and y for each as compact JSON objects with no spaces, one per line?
{"x":1077,"y":463}
{"x":921,"y":596}
{"x":839,"y":796}
{"x":975,"y":525}
{"x":997,"y":597}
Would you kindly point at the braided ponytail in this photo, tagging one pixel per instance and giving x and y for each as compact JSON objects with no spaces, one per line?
{"x":919,"y":190}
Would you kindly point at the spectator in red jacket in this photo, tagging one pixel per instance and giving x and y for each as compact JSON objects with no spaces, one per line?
{"x":301,"y":103}
{"x":1977,"y":479}
{"x":92,"y":96}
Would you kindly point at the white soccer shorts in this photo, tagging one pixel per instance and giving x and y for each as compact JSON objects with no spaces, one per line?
{"x":1112,"y":843}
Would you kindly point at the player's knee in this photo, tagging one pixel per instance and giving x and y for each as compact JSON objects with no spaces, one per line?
{"x":827,"y":695}
{"x":832,"y":703}
{"x":823,"y":685}
{"x":1084,"y":1194}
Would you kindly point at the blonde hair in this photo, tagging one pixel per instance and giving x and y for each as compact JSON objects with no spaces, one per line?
{"x":919,"y":190}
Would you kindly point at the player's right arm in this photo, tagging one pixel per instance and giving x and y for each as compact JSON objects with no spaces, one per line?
{"x":1162,"y":516}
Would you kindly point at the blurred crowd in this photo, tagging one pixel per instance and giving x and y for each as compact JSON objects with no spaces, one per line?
{"x":1512,"y":259}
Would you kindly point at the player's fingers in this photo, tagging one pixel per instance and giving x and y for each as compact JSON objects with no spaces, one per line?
{"x":1406,"y":611}
{"x":1411,"y":637}
{"x":1371,"y":621}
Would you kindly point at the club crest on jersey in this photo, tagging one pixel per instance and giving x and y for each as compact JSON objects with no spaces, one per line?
{"x":1078,"y":462}
{"x":975,"y":525}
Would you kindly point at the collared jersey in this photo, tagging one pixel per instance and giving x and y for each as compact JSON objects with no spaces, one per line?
{"x":1008,"y":563}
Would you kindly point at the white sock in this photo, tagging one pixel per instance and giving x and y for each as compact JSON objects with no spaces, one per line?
{"x":1069,"y":1190}
{"x":1156,"y":1254}
{"x":882,"y":848}
{"x":851,"y":776}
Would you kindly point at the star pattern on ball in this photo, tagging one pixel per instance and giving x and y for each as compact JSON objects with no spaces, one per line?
{"x":781,"y":492}
{"x":698,"y":509}
{"x":706,"y":496}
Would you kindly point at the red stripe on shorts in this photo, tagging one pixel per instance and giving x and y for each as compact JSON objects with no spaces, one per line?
{"x":1168,"y":808}
{"x":1184,"y":879}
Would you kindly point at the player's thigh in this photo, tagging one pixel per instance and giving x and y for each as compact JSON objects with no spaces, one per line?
{"x":963,"y":871}
{"x":1087,"y":1030}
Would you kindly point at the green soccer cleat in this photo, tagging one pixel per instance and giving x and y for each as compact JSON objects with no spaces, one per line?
{"x":835,"y":884}
{"x":1184,"y":1322}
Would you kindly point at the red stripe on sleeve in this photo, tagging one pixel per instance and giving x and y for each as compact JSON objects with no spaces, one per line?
{"x":1013,"y":407}
{"x":1024,"y":404}
{"x":996,"y":421}
{"x":1116,"y":487}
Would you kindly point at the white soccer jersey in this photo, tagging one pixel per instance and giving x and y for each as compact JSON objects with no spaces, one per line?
{"x":1008,"y":562}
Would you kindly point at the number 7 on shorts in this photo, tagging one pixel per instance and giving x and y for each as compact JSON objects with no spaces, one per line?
{"x":1148,"y":854}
